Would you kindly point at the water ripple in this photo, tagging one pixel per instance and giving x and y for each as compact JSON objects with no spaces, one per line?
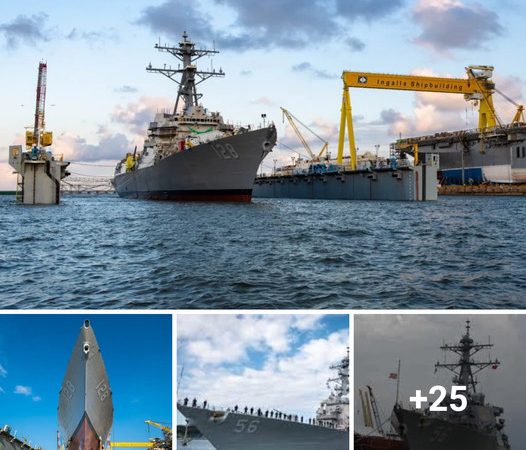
{"x":105,"y":252}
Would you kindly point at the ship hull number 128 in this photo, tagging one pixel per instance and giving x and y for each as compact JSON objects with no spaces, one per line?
{"x":225,"y":150}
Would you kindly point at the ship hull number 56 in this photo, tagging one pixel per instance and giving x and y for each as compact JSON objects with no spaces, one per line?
{"x":225,"y":151}
{"x":246,"y":426}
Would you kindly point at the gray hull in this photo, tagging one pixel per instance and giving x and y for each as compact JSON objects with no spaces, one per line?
{"x":236,"y":431}
{"x":85,"y":409}
{"x":424,"y":433}
{"x":407,"y":184}
{"x":222,"y":170}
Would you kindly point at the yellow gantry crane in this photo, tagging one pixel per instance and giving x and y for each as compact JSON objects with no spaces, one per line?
{"x":478,"y":86}
{"x":292,"y":120}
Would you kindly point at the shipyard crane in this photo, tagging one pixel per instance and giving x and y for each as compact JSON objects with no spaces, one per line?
{"x":166,"y":430}
{"x":156,"y":443}
{"x":478,"y":86}
{"x":38,"y":136}
{"x":374,"y":407}
{"x":292,"y":120}
{"x":519,"y":113}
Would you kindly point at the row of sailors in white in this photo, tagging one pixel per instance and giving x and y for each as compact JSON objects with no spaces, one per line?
{"x":269,"y":414}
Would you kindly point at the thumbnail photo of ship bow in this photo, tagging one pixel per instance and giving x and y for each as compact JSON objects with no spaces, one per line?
{"x":270,"y":424}
{"x":101,"y":405}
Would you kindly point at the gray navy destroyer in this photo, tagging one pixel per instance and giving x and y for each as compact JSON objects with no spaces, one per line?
{"x":85,"y":409}
{"x":478,"y":427}
{"x":231,"y":429}
{"x":191,"y":153}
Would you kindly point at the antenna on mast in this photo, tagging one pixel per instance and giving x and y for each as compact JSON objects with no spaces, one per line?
{"x":188,"y":54}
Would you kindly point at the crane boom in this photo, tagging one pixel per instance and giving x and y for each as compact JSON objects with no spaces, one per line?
{"x":478,"y":86}
{"x":41,"y":101}
{"x":158,"y":425}
{"x":376,"y":413}
{"x":38,"y":136}
{"x":292,"y":120}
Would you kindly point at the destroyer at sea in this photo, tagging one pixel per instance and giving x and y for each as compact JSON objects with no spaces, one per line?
{"x":191,"y":153}
{"x":479,"y":426}
{"x":233,"y":429}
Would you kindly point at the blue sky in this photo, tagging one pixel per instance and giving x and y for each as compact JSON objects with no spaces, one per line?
{"x":34,"y":352}
{"x":268,"y":361}
{"x":275,"y":53}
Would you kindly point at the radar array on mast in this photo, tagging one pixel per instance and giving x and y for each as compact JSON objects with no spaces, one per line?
{"x":188,"y":54}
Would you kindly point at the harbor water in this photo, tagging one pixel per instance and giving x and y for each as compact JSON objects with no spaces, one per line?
{"x":107,"y":252}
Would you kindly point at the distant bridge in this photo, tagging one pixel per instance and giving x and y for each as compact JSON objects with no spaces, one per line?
{"x":87,"y":185}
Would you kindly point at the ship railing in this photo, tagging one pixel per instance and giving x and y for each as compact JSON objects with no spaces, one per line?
{"x":328,"y":421}
{"x":252,"y":126}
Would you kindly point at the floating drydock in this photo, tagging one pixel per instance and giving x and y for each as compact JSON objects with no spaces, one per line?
{"x":399,"y":181}
{"x":472,"y":157}
{"x":85,"y":409}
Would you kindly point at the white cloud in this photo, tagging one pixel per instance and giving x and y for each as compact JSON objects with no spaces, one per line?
{"x":291,"y":377}
{"x":2,"y":391}
{"x":3,"y":372}
{"x":37,"y":398}
{"x":219,"y":339}
{"x":136,"y":116}
{"x":23,"y":390}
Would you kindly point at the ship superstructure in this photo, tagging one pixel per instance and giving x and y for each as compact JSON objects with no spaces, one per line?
{"x":255,"y":429}
{"x":191,"y":153}
{"x":334,"y":410}
{"x":479,"y":426}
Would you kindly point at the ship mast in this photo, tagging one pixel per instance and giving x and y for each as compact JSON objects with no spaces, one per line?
{"x":466,"y":368}
{"x":188,"y":54}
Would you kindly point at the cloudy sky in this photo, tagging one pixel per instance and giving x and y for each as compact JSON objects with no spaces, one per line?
{"x":381,"y":340}
{"x":268,"y":361}
{"x":32,"y":370}
{"x":275,"y":53}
